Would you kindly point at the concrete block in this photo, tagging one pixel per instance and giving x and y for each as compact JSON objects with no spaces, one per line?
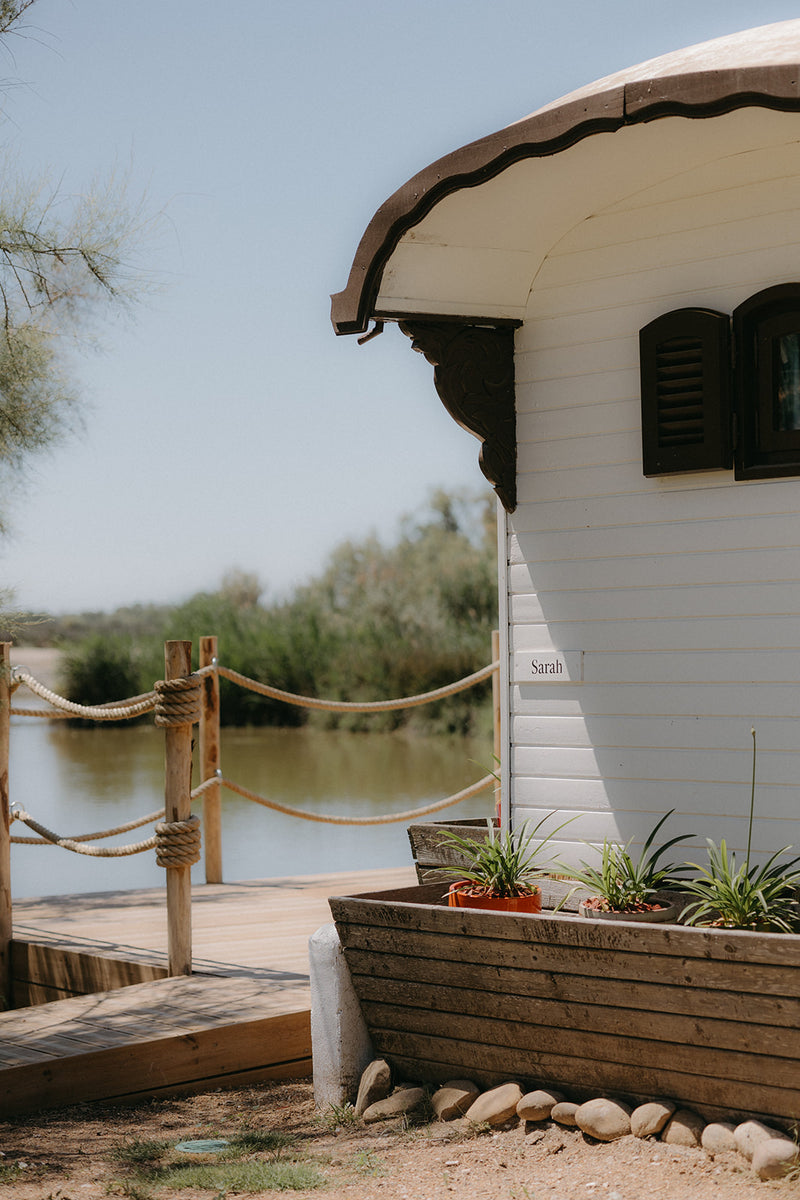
{"x":340,"y":1045}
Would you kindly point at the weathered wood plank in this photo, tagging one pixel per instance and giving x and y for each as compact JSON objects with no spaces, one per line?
{"x":76,"y":972}
{"x":199,"y":1053}
{"x":300,"y":1068}
{"x":428,"y":845}
{"x":630,"y":1046}
{"x":679,"y":970}
{"x":430,"y":1058}
{"x":426,"y":974}
{"x":613,"y":1013}
{"x":383,"y":910}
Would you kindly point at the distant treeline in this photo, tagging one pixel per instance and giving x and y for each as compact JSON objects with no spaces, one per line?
{"x":379,"y":622}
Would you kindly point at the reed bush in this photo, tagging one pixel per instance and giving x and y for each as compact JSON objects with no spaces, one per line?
{"x":380,"y":621}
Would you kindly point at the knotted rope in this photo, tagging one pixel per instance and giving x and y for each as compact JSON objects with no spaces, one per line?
{"x":178,"y":842}
{"x":178,"y":701}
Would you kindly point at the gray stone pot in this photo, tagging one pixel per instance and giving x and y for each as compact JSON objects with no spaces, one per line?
{"x":666,"y":915}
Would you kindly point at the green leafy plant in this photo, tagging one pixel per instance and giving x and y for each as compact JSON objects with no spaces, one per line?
{"x":745,"y":897}
{"x":338,"y":1116}
{"x":505,"y":864}
{"x":625,"y":884}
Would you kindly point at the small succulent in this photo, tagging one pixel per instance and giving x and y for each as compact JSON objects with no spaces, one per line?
{"x":506,"y":864}
{"x":624,"y":884}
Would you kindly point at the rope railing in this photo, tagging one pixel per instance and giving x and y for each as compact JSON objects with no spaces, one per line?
{"x":135,"y":706}
{"x":115,"y":710}
{"x":358,"y":706}
{"x":332,"y":819}
{"x":182,"y":700}
{"x":178,"y":702}
{"x":177,"y":843}
{"x":18,"y":814}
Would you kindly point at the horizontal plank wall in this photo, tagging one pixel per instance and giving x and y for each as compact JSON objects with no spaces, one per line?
{"x":705,"y":1017}
{"x":681,"y":592}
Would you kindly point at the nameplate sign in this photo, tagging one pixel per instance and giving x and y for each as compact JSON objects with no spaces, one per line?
{"x":560,"y":666}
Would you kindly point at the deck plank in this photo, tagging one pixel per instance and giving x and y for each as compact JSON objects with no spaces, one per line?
{"x":241,"y":1018}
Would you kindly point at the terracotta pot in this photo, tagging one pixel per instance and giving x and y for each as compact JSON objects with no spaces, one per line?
{"x":460,"y":895}
{"x":664,"y":915}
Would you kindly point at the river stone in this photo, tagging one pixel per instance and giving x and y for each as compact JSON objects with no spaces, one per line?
{"x":454,"y":1098}
{"x":537,"y":1106}
{"x":750,"y":1133}
{"x":375,"y":1084}
{"x":718,"y":1137}
{"x":497,"y":1106}
{"x":604,"y":1119}
{"x":685,"y":1128}
{"x":775,"y":1157}
{"x":399,"y":1104}
{"x":649,"y":1119}
{"x":563,"y":1113}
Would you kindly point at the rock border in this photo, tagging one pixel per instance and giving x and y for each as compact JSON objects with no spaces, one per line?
{"x":771,"y":1153}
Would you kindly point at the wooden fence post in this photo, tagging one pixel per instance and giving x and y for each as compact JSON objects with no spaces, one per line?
{"x":498,"y":745}
{"x":209,"y":761}
{"x":177,"y":807}
{"x":5,"y":829}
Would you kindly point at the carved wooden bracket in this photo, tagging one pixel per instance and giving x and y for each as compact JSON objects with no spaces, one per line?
{"x":474,"y":376}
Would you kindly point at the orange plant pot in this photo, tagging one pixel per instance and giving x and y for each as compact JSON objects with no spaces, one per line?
{"x":459,"y":897}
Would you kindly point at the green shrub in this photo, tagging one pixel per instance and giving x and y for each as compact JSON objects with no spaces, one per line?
{"x":380,"y":622}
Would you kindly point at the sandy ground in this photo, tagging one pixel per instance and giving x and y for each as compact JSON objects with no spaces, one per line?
{"x":75,"y":1154}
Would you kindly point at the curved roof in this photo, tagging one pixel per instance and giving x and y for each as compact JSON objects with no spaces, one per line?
{"x":756,"y":68}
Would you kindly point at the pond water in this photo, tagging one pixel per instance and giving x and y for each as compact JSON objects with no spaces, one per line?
{"x":76,"y":780}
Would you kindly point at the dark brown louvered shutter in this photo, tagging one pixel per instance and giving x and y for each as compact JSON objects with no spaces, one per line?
{"x":684,"y":359}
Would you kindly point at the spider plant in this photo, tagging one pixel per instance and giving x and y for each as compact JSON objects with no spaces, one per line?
{"x":623,"y":884}
{"x":745,"y":897}
{"x":505,"y":864}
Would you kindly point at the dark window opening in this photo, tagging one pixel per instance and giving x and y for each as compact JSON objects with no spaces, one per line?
{"x":767,"y":336}
{"x":698,"y":413}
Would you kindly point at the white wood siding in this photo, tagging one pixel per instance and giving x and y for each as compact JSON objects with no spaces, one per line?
{"x":683,"y":592}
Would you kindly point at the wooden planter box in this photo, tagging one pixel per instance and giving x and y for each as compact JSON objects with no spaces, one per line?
{"x":428,"y":852}
{"x":708,"y":1018}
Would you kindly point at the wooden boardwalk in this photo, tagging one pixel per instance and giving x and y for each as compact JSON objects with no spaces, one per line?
{"x":242,"y":1017}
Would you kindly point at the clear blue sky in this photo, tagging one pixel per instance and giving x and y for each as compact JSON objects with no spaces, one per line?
{"x":227,"y":426}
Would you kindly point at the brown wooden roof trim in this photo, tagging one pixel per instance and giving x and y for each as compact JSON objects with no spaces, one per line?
{"x":694,"y":95}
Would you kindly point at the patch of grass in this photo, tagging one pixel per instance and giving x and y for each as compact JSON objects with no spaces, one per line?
{"x":473,"y":1130}
{"x":155,"y":1166}
{"x":249,"y":1176}
{"x":133,"y":1189}
{"x":10,"y":1172}
{"x":140,"y":1152}
{"x":338,"y":1116}
{"x":366,"y":1162}
{"x":260,"y":1141}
